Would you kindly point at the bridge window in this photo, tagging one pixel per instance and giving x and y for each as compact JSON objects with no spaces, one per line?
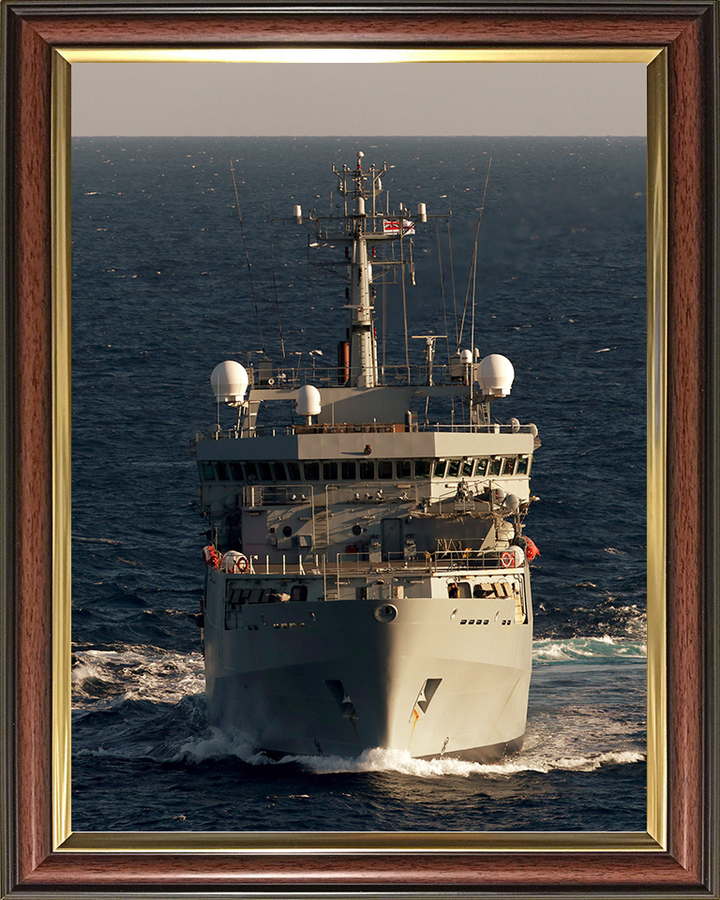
{"x":522,"y":466}
{"x":403,"y":468}
{"x":454,"y":468}
{"x":367,"y":470}
{"x":236,"y":471}
{"x":467,"y":468}
{"x":481,"y":468}
{"x":508,"y":465}
{"x":330,"y":471}
{"x":265,"y":471}
{"x":207,"y":471}
{"x":348,"y":470}
{"x":312,"y":471}
{"x":495,"y":465}
{"x":440,"y":468}
{"x":422,"y":468}
{"x":251,"y":471}
{"x":293,"y":469}
{"x":223,"y":472}
{"x":385,"y":469}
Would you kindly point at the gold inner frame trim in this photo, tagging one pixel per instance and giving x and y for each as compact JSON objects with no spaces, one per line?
{"x":329,"y":55}
{"x":655,"y":839}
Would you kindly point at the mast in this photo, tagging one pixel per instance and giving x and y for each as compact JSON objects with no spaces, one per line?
{"x":362,"y":226}
{"x":359,"y":189}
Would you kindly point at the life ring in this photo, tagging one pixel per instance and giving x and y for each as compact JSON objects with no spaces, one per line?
{"x":241,"y":564}
{"x":507,"y":559}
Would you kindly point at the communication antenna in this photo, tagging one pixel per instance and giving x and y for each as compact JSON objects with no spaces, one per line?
{"x":429,"y":351}
{"x":473,"y":270}
{"x":247,"y":259}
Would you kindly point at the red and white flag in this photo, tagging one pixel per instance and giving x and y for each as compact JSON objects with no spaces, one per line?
{"x":392,"y":226}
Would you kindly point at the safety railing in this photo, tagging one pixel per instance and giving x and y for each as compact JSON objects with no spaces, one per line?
{"x":289,"y":378}
{"x":366,"y":562}
{"x":364,"y":427}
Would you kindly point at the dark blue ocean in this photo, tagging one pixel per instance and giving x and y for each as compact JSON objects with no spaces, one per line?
{"x":161,"y":293}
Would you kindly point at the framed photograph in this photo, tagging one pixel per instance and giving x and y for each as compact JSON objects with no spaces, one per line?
{"x":676,"y":852}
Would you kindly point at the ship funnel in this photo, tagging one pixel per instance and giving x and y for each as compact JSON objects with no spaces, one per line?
{"x":229,"y":381}
{"x":307,"y":402}
{"x":495,"y":375}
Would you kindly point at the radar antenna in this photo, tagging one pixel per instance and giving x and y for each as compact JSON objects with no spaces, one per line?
{"x":429,"y":351}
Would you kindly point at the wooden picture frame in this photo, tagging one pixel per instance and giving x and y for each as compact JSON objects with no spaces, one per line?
{"x":39,"y":858}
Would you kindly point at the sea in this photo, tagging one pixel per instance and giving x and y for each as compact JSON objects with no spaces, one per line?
{"x":184,"y":254}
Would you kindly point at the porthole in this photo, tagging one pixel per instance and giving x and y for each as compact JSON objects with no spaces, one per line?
{"x":287,"y":530}
{"x":356,"y":530}
{"x":386,"y":613}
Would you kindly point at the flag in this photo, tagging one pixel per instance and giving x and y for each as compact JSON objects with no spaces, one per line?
{"x":392,"y":226}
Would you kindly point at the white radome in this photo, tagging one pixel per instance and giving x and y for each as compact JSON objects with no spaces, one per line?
{"x":308,"y":402}
{"x":229,"y":381}
{"x":495,"y":375}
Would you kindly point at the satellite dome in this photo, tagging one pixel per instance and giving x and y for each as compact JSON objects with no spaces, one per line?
{"x":307,"y":402}
{"x":466,"y":357}
{"x":229,"y":381}
{"x":495,"y":375}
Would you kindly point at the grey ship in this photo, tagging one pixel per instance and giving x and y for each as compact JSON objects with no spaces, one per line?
{"x":367,"y":579}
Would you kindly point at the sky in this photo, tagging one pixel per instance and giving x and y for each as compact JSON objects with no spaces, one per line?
{"x":229,"y":99}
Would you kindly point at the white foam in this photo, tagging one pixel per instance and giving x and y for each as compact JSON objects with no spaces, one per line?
{"x":217,"y":744}
{"x":137,"y":673}
{"x":382,"y":760}
{"x":605,"y":647}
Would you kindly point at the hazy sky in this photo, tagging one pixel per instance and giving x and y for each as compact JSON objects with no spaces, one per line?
{"x":358,"y":99}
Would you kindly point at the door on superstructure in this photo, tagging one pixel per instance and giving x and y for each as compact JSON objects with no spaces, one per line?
{"x":391,"y":539}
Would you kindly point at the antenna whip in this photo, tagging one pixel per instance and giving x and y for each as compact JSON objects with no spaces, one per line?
{"x":473,"y":267}
{"x":247,"y":259}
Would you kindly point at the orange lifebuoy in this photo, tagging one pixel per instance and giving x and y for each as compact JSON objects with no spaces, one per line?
{"x":507,"y":559}
{"x":211,"y":556}
{"x":242,"y":564}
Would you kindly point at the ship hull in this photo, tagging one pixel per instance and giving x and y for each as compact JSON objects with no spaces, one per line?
{"x":443,"y":676}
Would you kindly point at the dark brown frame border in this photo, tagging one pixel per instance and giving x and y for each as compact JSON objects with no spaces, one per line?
{"x":689,"y":31}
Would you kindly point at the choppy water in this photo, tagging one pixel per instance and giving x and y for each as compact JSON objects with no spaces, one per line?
{"x":161,"y":294}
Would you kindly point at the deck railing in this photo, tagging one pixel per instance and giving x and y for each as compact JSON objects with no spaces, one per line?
{"x":289,"y":378}
{"x":222,"y":434}
{"x":358,"y":564}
